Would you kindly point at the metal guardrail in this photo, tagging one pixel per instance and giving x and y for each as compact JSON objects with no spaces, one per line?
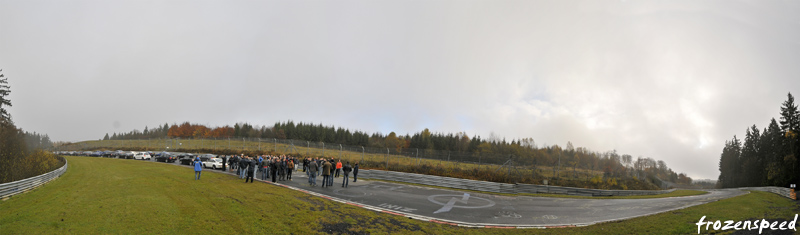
{"x":21,"y":186}
{"x":486,"y":186}
{"x":786,"y":192}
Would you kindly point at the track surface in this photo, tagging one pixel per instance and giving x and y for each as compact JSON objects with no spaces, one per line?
{"x":494,"y":210}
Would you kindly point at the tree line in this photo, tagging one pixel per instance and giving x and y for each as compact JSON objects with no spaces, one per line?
{"x":21,"y":154}
{"x":564,"y":161}
{"x":765,"y":157}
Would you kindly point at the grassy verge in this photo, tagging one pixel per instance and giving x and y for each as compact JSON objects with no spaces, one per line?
{"x":99,"y":195}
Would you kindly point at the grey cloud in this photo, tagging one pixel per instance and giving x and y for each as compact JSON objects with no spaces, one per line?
{"x":666,"y":80}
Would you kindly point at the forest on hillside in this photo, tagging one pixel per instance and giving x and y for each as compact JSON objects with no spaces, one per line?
{"x":527,"y":152}
{"x":21,"y":152}
{"x":765,"y":157}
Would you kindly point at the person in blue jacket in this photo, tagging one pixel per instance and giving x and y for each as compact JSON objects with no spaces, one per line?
{"x":198,"y":167}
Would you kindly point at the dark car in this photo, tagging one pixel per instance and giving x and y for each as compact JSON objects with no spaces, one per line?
{"x":127,"y":155}
{"x":186,"y":158}
{"x":108,"y":153}
{"x":165,"y":157}
{"x":205,"y":157}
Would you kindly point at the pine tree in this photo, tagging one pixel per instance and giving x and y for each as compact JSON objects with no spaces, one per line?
{"x":751,"y":164}
{"x":790,"y":124}
{"x":771,"y":145}
{"x":729,"y":164}
{"x":5,"y":89}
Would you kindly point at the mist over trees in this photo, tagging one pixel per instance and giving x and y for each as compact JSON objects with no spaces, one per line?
{"x":21,"y":154}
{"x":765,"y":157}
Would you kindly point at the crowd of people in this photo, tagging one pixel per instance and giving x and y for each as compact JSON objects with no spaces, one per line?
{"x":280,"y":168}
{"x":328,"y":169}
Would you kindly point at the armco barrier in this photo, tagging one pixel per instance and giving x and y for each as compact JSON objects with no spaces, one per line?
{"x":485,"y":186}
{"x":20,"y":186}
{"x":786,"y":192}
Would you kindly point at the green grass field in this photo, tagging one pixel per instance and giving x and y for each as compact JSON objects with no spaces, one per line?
{"x":99,"y":195}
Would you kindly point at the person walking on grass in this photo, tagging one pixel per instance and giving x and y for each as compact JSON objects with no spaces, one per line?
{"x":338,"y":167}
{"x":326,"y":173}
{"x":312,"y":173}
{"x":355,"y":173}
{"x":346,"y":174}
{"x":198,"y":168}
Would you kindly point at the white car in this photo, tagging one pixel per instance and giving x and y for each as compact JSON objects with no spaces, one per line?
{"x":141,"y":156}
{"x":213,"y":163}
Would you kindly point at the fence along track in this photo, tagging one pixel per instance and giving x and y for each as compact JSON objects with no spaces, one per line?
{"x":21,"y":186}
{"x":486,"y":186}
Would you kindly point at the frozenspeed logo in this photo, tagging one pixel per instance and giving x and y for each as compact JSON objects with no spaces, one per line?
{"x":746,"y":225}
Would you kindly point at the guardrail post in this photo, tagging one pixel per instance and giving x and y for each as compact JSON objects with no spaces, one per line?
{"x":417,"y":156}
{"x":362,"y":153}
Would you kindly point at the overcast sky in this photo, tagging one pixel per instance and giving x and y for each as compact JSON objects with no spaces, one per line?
{"x":670,"y":80}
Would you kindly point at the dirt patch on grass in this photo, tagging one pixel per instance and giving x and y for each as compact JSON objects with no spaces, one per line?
{"x":235,"y":199}
{"x":340,"y":228}
{"x":316,"y":205}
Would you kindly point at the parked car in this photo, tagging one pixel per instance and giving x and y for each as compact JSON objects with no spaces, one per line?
{"x":186,"y":158}
{"x":141,"y":156}
{"x":165,"y":157}
{"x":213,"y":163}
{"x":127,"y":155}
{"x":206,"y":157}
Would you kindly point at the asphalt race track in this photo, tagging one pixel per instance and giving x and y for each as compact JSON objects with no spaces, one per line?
{"x":496,"y":210}
{"x":489,"y":210}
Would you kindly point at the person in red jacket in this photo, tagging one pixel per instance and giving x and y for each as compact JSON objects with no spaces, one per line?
{"x":338,"y":167}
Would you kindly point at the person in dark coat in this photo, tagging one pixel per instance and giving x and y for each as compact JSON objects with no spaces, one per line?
{"x":319,"y":165}
{"x":224,"y":160}
{"x":235,"y":164}
{"x":346,"y":174}
{"x":251,"y":169}
{"x":263,"y":166}
{"x":282,"y":169}
{"x":305,"y":165}
{"x":326,"y":173}
{"x":243,"y":165}
{"x":355,"y":173}
{"x":312,"y":173}
{"x":273,"y":165}
{"x":333,"y":169}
